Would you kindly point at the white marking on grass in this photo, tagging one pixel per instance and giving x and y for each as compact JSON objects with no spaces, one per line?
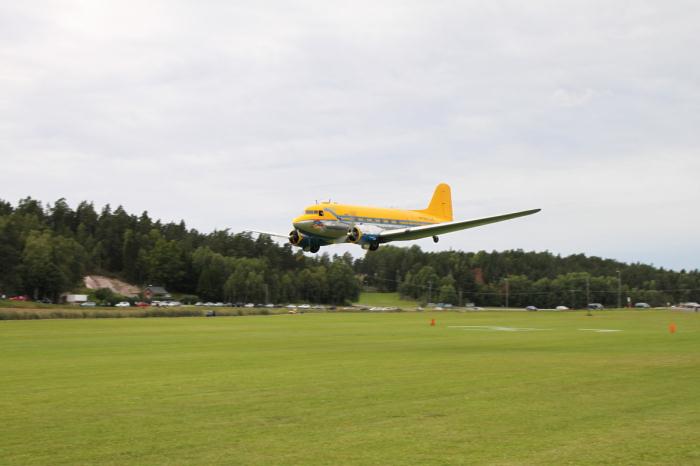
{"x":600,"y":330}
{"x":497,"y":328}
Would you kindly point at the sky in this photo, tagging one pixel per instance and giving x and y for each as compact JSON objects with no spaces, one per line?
{"x":239,"y":114}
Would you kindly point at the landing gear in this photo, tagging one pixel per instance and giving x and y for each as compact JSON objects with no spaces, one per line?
{"x":435,"y":239}
{"x":373,"y":246}
{"x":314,"y":248}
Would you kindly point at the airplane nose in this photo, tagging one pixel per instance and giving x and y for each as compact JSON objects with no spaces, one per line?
{"x":300,"y":224}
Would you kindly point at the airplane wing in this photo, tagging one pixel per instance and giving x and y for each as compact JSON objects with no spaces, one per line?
{"x":426,"y":231}
{"x":276,"y":235}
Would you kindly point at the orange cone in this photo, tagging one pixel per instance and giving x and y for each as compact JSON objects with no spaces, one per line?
{"x":672,"y":327}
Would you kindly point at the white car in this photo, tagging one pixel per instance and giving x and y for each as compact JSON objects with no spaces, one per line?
{"x":305,"y":306}
{"x":122,"y":304}
{"x":562,"y":308}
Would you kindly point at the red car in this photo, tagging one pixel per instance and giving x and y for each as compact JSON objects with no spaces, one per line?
{"x":20,"y":298}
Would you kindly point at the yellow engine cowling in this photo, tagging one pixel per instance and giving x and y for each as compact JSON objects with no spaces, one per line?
{"x":295,"y":238}
{"x":367,"y":235}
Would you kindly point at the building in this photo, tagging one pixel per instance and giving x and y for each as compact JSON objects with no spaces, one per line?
{"x":74,"y":298}
{"x":156,"y":293}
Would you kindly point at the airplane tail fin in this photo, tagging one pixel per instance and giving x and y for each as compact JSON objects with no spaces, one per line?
{"x":441,"y":203}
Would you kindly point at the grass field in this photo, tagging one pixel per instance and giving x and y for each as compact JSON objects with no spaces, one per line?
{"x":334,"y":388}
{"x":385,"y":299}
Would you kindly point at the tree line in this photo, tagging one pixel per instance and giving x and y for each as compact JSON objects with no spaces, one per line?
{"x":517,"y":278}
{"x":46,"y":250}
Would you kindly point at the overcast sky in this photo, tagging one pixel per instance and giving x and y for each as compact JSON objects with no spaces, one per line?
{"x":238,"y":114}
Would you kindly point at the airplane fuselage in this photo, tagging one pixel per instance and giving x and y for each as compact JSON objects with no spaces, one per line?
{"x":334,"y":223}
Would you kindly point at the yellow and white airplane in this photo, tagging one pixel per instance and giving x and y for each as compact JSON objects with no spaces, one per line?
{"x":332,"y":223}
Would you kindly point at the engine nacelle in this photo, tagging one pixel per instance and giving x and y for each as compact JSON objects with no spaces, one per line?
{"x":307,"y":244}
{"x":367,"y":235}
{"x":295,"y":238}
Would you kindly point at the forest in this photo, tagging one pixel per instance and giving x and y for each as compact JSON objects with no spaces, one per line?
{"x":46,"y":250}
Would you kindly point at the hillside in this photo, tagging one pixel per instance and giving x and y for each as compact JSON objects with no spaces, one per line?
{"x":117,"y":286}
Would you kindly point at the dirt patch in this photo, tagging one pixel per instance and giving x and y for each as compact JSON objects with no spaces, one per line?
{"x":120,"y":287}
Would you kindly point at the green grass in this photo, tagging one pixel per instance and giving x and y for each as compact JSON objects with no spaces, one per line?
{"x":98,"y":312}
{"x":7,"y":304}
{"x":385,"y":300}
{"x":344,"y":388}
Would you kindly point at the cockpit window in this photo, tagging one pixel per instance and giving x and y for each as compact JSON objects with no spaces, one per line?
{"x":320,"y":213}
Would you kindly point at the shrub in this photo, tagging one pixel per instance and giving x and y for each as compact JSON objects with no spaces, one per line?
{"x":189,"y":299}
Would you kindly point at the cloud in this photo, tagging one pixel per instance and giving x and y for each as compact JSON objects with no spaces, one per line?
{"x":567,"y":98}
{"x":237,"y":115}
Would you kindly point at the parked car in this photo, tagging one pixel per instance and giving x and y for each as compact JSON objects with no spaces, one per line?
{"x":531,"y":308}
{"x":44,"y":301}
{"x":642,"y":305}
{"x":123,"y":304}
{"x":20,"y":298}
{"x":562,"y":308}
{"x":88,"y":304}
{"x":595,"y":306}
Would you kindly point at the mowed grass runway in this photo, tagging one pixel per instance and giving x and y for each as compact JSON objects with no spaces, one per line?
{"x":336,"y":388}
